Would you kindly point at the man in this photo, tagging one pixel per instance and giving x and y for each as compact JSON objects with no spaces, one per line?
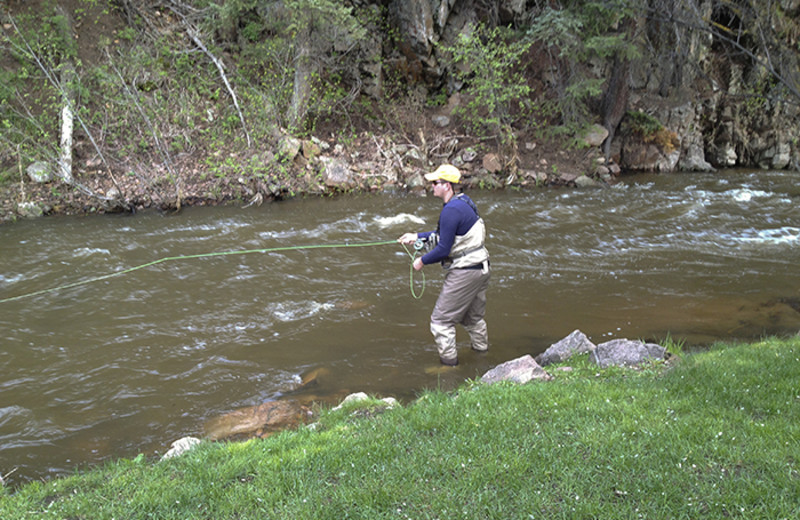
{"x":458,"y":244}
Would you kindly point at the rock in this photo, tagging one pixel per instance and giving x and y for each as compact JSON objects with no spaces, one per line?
{"x":485,"y":181}
{"x":566,"y":178}
{"x":414,"y":179}
{"x":595,"y":136}
{"x":288,"y":148}
{"x":323,"y":145}
{"x":30,"y":209}
{"x":311,"y":149}
{"x":180,"y":447}
{"x":39,"y":172}
{"x":625,"y":352}
{"x":468,"y":155}
{"x":575,"y":343}
{"x":337,"y":174}
{"x":779,"y":156}
{"x":694,"y":159}
{"x":585,"y":182}
{"x":640,"y":156}
{"x":538,"y":177}
{"x":257,"y":420}
{"x":521,"y":370}
{"x":390,"y":402}
{"x":492,"y":163}
{"x":441,"y":121}
{"x":352,"y":398}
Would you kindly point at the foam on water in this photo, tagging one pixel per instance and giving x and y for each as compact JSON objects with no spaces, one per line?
{"x":786,"y":235}
{"x":395,"y":220}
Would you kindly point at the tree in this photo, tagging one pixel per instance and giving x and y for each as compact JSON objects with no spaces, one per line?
{"x":316,"y":36}
{"x":50,"y":48}
{"x":576,"y":33}
{"x":488,"y":62}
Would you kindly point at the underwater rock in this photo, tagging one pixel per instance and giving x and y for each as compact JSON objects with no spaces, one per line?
{"x":258,"y":421}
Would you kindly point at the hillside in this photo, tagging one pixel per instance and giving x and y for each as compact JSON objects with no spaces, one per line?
{"x":183,"y":103}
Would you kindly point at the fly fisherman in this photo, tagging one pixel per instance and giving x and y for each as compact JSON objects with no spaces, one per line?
{"x":458,"y":244}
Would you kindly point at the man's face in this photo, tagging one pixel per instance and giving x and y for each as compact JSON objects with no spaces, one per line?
{"x":440,"y":187}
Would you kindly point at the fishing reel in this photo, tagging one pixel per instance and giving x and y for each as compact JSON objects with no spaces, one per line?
{"x":419,"y":244}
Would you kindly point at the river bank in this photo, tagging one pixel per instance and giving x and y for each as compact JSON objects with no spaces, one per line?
{"x":297,"y":168}
{"x":707,"y":437}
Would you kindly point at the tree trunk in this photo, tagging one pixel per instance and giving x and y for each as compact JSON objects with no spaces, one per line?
{"x":67,"y":80}
{"x":302,"y":80}
{"x":615,"y":100}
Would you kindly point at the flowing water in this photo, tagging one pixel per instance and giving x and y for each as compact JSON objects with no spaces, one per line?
{"x":128,"y":364}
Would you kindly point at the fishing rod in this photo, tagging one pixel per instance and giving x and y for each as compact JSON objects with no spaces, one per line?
{"x":417,"y":248}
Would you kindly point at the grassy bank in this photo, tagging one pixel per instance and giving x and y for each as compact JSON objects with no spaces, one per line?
{"x":714,"y":436}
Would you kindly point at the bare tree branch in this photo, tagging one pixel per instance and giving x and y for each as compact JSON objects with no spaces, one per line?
{"x":193,"y":34}
{"x":55,"y":83}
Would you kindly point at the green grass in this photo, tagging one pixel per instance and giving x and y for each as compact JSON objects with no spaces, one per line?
{"x":713,"y":435}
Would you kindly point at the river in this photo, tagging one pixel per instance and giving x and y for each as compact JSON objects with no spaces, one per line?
{"x":127,"y":364}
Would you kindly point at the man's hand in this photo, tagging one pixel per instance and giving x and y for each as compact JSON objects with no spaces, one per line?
{"x":408,"y":239}
{"x":418,"y":265}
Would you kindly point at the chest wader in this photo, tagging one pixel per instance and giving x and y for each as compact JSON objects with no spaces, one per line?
{"x":463,"y":297}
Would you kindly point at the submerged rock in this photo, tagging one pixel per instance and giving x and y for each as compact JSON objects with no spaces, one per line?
{"x":258,"y":421}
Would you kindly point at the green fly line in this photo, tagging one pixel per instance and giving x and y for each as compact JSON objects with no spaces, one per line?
{"x":227,"y":253}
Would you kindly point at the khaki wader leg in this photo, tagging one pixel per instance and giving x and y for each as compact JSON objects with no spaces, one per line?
{"x":445,"y":338}
{"x":479,"y":336}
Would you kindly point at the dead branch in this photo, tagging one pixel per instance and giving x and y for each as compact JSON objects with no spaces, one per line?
{"x":193,"y":34}
{"x":165,"y":155}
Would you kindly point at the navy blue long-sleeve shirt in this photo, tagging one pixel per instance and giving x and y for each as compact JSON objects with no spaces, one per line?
{"x":457,"y":218}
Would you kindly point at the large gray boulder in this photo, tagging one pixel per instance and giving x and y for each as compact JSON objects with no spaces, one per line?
{"x":337,"y":174}
{"x":625,"y":352}
{"x":520,"y":370}
{"x":575,"y":343}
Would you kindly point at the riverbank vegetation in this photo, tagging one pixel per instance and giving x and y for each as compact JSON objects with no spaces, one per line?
{"x":119,"y":106}
{"x":711,"y":434}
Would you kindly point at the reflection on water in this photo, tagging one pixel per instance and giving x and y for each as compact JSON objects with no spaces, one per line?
{"x":128,"y":364}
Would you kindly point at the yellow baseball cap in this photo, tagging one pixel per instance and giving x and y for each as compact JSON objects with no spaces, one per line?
{"x":445,"y":172}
